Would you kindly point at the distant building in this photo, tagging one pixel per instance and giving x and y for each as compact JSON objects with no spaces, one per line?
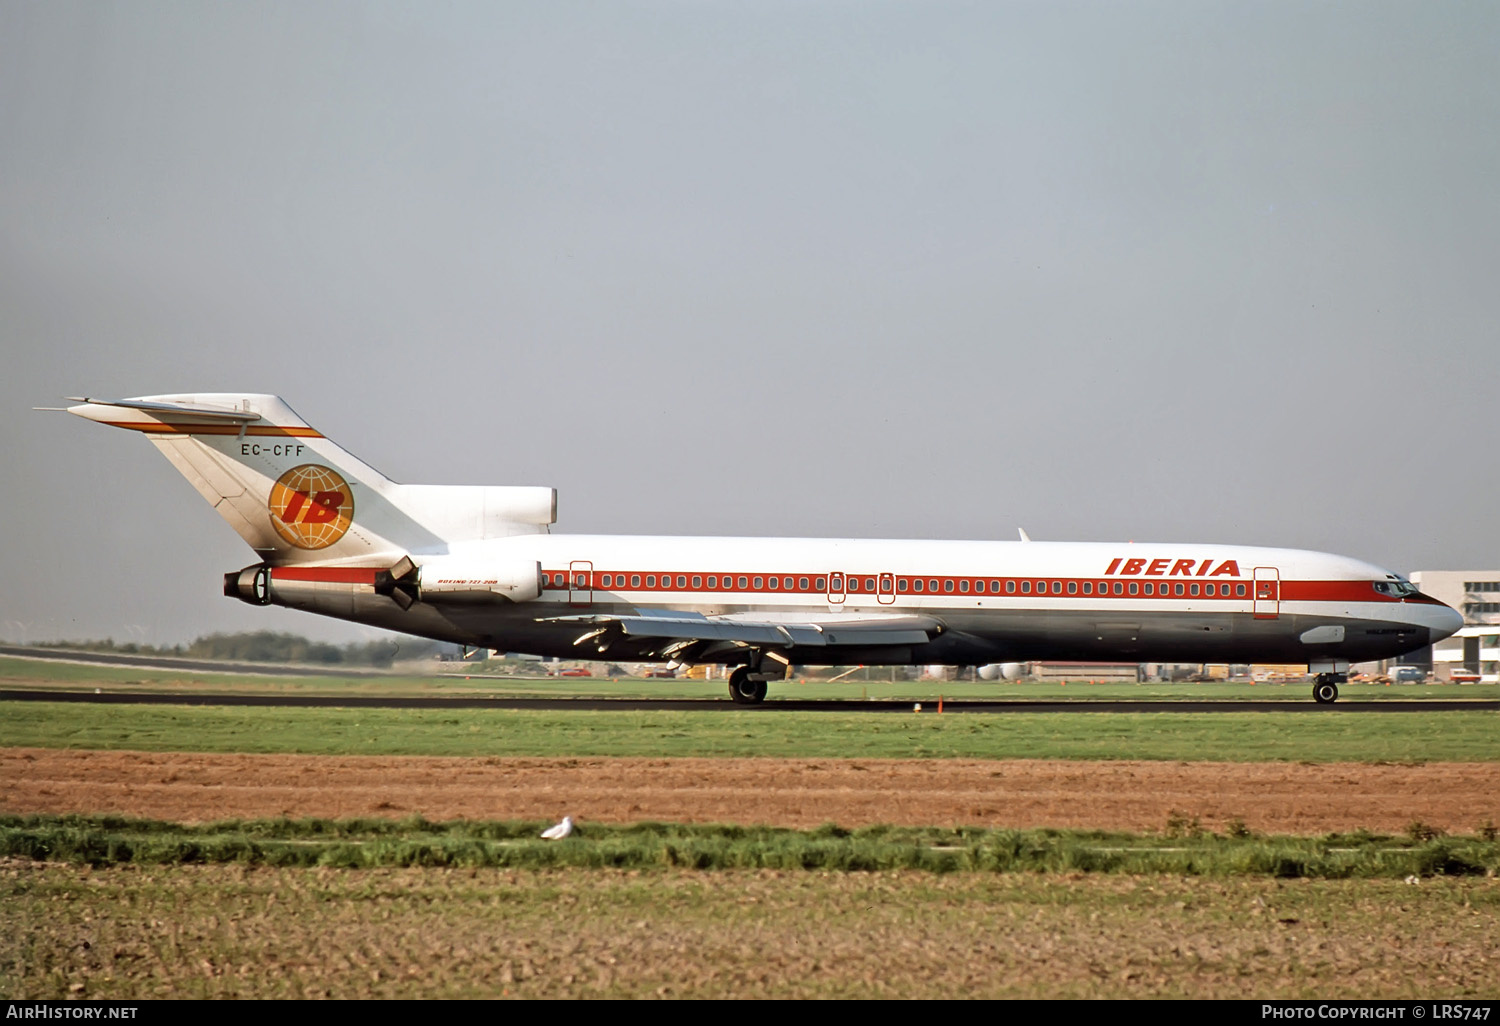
{"x":1475,"y":594}
{"x":1128,"y":672}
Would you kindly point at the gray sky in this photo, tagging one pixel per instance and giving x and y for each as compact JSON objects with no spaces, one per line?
{"x":1156,"y":271}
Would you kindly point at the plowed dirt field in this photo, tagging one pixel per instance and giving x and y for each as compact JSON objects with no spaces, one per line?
{"x":1279,"y":798}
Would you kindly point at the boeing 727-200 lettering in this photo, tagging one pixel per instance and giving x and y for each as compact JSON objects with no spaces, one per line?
{"x":479,"y":566}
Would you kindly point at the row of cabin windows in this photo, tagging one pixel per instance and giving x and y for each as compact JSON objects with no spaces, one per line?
{"x":618,"y":581}
{"x":905,"y":586}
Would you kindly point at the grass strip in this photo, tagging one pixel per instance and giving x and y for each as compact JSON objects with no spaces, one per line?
{"x":1318,"y":735}
{"x":415,"y":842}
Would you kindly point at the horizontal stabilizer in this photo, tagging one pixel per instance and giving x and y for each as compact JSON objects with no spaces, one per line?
{"x":186,"y":409}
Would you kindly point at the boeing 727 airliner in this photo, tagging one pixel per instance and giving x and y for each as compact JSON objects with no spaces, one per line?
{"x":480,"y":566}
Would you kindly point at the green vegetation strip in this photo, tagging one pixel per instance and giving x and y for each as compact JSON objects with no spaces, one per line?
{"x":1321,"y":736}
{"x":366,"y":844}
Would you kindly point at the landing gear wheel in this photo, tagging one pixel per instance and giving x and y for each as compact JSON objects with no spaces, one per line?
{"x":743,"y":690}
{"x":1326,"y":690}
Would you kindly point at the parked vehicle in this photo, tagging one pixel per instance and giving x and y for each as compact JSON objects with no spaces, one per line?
{"x":1463,"y":675}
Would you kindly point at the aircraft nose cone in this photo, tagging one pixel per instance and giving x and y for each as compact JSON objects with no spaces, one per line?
{"x":1449,"y":621}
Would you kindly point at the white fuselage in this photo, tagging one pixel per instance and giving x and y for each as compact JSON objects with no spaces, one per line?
{"x":996,"y":601}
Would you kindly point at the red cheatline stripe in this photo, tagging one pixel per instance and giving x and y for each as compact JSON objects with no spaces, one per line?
{"x":1290,"y":591}
{"x":158,"y":428}
{"x":326,"y":574}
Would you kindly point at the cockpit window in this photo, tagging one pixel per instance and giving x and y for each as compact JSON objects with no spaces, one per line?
{"x":1395,"y":587}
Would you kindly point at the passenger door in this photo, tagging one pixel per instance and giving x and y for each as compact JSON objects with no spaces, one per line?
{"x":1266,"y":603}
{"x":580,"y":583}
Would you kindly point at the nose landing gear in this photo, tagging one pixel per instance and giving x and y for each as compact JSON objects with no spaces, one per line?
{"x":1326,"y":687}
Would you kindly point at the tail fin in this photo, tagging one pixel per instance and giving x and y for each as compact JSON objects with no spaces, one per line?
{"x":296,"y":497}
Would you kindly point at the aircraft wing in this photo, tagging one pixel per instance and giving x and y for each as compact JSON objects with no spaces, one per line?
{"x":676,"y":629}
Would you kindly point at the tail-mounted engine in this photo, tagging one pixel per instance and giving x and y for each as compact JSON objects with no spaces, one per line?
{"x":459,"y":579}
{"x":252,"y":585}
{"x":441,"y":579}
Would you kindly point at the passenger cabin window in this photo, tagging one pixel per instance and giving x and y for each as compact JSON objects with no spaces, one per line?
{"x":1150,"y":588}
{"x":948,"y":585}
{"x":916,"y":585}
{"x":1072,"y":587}
{"x":743,"y":584}
{"x":713,"y":581}
{"x":1088,"y":587}
{"x":963,"y":586}
{"x":772,"y":582}
{"x":820,"y":583}
{"x":650,"y":580}
{"x":1057,"y":587}
{"x":697,"y":582}
{"x":1193,"y":590}
{"x":1119,"y":588}
{"x":757,"y":584}
{"x":681,"y":581}
{"x":1133,"y":587}
{"x":1177,"y":589}
{"x":837,"y":584}
{"x":1025,"y":587}
{"x":1239,"y":590}
{"x":1010,"y":587}
{"x":869,"y":584}
{"x":802,"y":583}
{"x":635,"y":580}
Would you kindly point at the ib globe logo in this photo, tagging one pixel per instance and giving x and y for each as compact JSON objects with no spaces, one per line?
{"x":311,"y":506}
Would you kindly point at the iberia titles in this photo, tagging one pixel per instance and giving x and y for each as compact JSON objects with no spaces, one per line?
{"x":1179,"y":568}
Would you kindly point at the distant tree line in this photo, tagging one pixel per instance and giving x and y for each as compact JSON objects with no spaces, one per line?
{"x":272,"y":647}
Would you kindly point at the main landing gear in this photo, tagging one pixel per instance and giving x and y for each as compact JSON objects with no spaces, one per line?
{"x":746,"y":686}
{"x":1326,"y":687}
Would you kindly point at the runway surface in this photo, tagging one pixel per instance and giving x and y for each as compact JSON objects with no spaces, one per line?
{"x":160,"y":662}
{"x":771,"y":705}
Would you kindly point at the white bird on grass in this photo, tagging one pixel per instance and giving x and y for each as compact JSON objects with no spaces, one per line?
{"x":560,"y":831}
